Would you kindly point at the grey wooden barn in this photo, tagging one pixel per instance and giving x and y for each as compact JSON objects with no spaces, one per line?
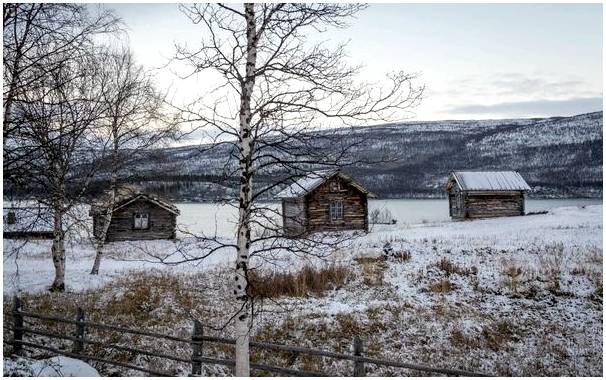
{"x":136,"y":216}
{"x":476,"y":194}
{"x":324,"y":201}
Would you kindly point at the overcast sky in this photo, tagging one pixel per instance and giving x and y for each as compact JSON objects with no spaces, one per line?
{"x":477,"y":61}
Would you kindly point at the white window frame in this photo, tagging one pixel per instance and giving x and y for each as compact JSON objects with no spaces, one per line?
{"x":141,"y":220}
{"x":336,"y":210}
{"x":335,"y":186}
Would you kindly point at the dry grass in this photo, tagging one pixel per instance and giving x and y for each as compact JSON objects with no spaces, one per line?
{"x":512,"y":272}
{"x":459,"y":339}
{"x":498,"y":334}
{"x":551,"y":265}
{"x":449,"y":268}
{"x":373,"y":270}
{"x":308,"y":281}
{"x":442,"y":286}
{"x":157,"y":302}
{"x":595,"y":256}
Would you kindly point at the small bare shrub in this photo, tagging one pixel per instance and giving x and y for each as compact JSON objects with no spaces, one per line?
{"x":498,"y":334}
{"x":551,"y":265}
{"x":373,"y":270}
{"x":308,"y":280}
{"x":403,"y":255}
{"x":390,"y":253}
{"x":595,"y":256}
{"x":442,"y":286}
{"x":512,"y":272}
{"x":450,"y":268}
{"x":377,"y":216}
{"x":459,"y":339}
{"x":579,"y":270}
{"x":599,"y":285}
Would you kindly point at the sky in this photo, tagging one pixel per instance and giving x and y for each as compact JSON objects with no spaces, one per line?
{"x":477,"y":61}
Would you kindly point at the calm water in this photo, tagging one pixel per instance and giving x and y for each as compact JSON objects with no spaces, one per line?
{"x":211,"y":217}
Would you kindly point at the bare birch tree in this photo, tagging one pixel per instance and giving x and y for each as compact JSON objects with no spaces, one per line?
{"x":134,"y":120}
{"x":283,"y":88}
{"x":51,"y":106}
{"x":35,"y":33}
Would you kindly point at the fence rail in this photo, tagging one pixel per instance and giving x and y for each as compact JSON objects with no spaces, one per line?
{"x":80,"y":342}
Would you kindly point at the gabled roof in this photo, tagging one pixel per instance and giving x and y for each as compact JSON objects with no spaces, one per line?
{"x":310,"y":182}
{"x":489,"y":181}
{"x":126,"y":196}
{"x":150,"y":198}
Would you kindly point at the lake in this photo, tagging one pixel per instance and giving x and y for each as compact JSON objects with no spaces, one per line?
{"x":211,"y":217}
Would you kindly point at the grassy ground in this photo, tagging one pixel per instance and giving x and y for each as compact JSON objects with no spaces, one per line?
{"x":506,"y":316}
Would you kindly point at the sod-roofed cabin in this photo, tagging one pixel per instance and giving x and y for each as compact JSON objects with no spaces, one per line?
{"x":136,"y":216}
{"x":476,"y":194}
{"x":324,"y":201}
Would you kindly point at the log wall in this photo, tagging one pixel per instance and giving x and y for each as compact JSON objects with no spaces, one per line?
{"x":355,"y":207}
{"x":470,"y":205}
{"x":162,"y":224}
{"x":294,"y":216}
{"x":456,"y":204}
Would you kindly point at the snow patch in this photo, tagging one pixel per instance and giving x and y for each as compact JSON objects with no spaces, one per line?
{"x":58,"y":366}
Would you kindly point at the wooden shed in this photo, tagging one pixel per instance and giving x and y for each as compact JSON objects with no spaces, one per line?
{"x":137,"y":216}
{"x":476,"y":194}
{"x":324,"y":201}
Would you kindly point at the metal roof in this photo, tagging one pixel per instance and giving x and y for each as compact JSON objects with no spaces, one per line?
{"x":490,"y":181}
{"x":308,"y":183}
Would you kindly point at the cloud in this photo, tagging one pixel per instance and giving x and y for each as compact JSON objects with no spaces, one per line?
{"x":543,"y":107}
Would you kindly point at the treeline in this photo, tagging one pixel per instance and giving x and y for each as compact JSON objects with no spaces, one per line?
{"x":564,"y":161}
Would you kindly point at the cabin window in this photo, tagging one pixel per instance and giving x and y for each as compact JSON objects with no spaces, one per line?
{"x":336,"y":210}
{"x":141,"y":221}
{"x":335,"y":186}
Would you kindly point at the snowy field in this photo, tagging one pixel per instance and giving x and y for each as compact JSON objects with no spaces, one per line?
{"x":511,"y":296}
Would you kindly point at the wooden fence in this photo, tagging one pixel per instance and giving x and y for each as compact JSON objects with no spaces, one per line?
{"x":197,"y":340}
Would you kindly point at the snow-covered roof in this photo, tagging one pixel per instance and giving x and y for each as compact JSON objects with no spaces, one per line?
{"x":491,"y":181}
{"x":308,"y":183}
{"x":128,"y":195}
{"x":153,"y":199}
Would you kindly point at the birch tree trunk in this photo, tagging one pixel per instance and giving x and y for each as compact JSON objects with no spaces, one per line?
{"x":243,"y":317}
{"x":107,"y":217}
{"x":58,"y":248}
{"x":297,"y":86}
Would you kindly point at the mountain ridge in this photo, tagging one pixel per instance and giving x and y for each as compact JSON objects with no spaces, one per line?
{"x":558,"y":156}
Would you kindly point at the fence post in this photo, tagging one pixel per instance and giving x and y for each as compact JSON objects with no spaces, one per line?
{"x":359,"y":370}
{"x":17,"y":326}
{"x":196,"y":366}
{"x":79,"y":342}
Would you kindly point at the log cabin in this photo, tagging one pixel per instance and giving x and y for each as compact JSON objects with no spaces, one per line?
{"x":136,"y":216}
{"x":476,"y":194}
{"x":324,"y":201}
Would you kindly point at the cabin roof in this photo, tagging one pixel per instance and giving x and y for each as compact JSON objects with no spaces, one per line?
{"x":310,"y":182}
{"x":490,"y":181}
{"x":125,"y":197}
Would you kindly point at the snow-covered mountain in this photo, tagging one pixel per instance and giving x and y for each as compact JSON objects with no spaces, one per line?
{"x":558,"y":156}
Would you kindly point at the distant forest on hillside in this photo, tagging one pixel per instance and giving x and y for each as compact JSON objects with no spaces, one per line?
{"x":558,"y":157}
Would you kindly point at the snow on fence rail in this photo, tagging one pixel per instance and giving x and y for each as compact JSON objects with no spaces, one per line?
{"x":197,"y":339}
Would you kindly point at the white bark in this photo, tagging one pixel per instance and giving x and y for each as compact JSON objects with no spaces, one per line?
{"x":107,"y":217}
{"x":58,"y":247}
{"x":243,"y":318}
